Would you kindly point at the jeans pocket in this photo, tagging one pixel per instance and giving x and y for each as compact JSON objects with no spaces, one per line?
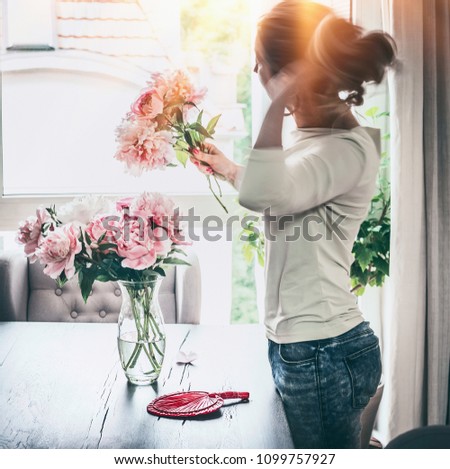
{"x":297,"y":353}
{"x":364,"y":367}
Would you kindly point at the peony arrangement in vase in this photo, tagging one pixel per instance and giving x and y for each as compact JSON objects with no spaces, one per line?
{"x":158,"y":131}
{"x":132,"y":242}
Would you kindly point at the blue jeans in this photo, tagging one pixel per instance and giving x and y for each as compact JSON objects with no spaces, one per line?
{"x":325,"y":385}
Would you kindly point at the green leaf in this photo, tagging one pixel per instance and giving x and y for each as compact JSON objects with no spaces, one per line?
{"x":102,"y":237}
{"x":88,"y":238}
{"x":199,"y":117}
{"x":261,"y":258}
{"x":180,"y":251}
{"x":212,"y":124}
{"x":383,"y":114}
{"x":182,"y":157}
{"x":379,"y":278}
{"x":175,"y":261}
{"x":160,"y":271}
{"x":381,"y":265}
{"x":373,"y":281}
{"x":201,"y":130}
{"x":61,"y":280}
{"x":190,"y":103}
{"x":103,"y":278}
{"x":86,"y":279}
{"x":172,"y":165}
{"x":248,"y":253}
{"x":105,"y":246}
{"x":188,"y":138}
{"x":372,"y":112}
{"x":364,"y":257}
{"x":181,"y":144}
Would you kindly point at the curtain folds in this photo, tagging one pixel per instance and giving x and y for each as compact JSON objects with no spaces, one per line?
{"x":436,"y":135}
{"x":416,"y":312}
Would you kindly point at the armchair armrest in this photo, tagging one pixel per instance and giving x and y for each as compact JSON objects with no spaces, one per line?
{"x":13,"y":286}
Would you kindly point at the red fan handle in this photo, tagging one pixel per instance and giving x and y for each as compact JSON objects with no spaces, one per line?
{"x":233,"y":395}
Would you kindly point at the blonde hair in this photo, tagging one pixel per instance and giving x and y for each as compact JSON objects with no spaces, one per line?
{"x":343,"y":56}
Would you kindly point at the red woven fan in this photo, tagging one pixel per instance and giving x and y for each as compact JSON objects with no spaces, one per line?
{"x":191,"y":403}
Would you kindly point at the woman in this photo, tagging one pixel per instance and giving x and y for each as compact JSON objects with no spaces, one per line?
{"x":324,"y":356}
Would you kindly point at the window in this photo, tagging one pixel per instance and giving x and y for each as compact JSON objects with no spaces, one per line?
{"x":61,"y":107}
{"x":33,"y":30}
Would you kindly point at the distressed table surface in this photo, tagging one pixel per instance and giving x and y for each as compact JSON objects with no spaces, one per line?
{"x":61,"y":386}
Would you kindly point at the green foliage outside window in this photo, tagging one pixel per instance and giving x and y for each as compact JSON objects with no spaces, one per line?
{"x":221,"y":33}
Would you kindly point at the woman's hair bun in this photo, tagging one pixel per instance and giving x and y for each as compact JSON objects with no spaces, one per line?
{"x":349,"y":57}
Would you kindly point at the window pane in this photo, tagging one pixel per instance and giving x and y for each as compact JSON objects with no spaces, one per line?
{"x":29,"y":24}
{"x":61,"y":108}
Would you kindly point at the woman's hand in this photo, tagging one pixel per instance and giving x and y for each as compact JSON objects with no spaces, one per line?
{"x":214,"y":162}
{"x":282,"y":89}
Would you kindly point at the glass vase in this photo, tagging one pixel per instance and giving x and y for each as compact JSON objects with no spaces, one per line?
{"x":141,"y":335}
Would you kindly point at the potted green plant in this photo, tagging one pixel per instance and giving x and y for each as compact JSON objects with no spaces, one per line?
{"x":371,"y":249}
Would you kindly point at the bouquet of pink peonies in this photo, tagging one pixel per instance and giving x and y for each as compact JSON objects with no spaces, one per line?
{"x":90,"y":237}
{"x":157,"y":132}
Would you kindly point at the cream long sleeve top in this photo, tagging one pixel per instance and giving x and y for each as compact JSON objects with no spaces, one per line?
{"x":314,"y":196}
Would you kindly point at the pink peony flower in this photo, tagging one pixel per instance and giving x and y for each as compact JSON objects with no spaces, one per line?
{"x":30,"y":233}
{"x":149,"y":104}
{"x":143,"y":148}
{"x":164,"y":214}
{"x":108,"y":225}
{"x":161,"y":241}
{"x":135,"y":246}
{"x":57,"y":251}
{"x":155,"y":205}
{"x":123,"y":203}
{"x":176,"y":86}
{"x":148,"y":230}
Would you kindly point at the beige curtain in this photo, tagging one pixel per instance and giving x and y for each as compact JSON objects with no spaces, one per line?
{"x":416,"y":321}
{"x":404,"y":312}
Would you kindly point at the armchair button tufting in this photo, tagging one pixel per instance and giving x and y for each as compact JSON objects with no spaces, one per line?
{"x":117,"y":292}
{"x":58,"y":292}
{"x":102,"y":313}
{"x":74,"y":314}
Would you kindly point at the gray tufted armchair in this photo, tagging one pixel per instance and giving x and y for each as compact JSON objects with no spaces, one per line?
{"x":27,"y":294}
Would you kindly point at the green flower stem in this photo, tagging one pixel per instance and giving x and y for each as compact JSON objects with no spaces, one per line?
{"x":151,"y":356}
{"x":156,"y":332}
{"x":218,"y":186}
{"x":143,"y":329}
{"x":133,"y":357}
{"x":140,"y":332}
{"x":208,"y":177}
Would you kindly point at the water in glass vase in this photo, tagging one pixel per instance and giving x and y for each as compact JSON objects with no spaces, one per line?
{"x":141,"y":360}
{"x":141,"y":336}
